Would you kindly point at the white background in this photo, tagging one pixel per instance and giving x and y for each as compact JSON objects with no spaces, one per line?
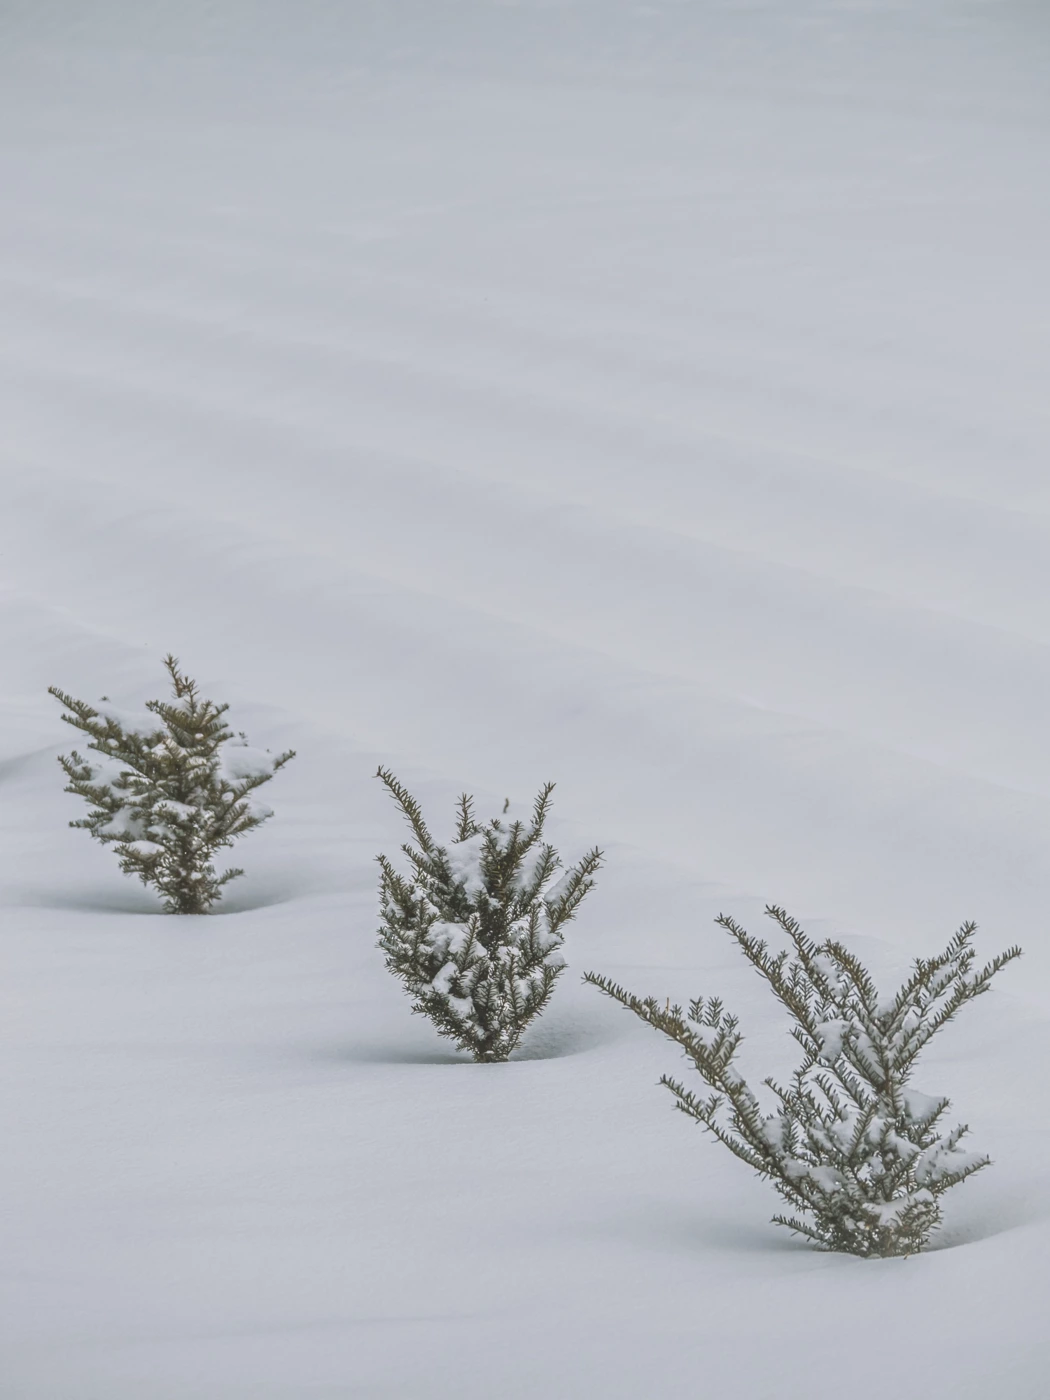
{"x":648,"y":397}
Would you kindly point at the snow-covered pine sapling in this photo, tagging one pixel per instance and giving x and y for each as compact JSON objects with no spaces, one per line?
{"x":860,"y":1157}
{"x":474,"y":930}
{"x":170,"y":788}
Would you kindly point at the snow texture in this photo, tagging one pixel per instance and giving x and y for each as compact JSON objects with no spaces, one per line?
{"x":648,"y":397}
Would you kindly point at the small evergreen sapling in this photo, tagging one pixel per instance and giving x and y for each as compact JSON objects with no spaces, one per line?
{"x":171,"y":787}
{"x":859,"y":1156}
{"x":474,"y":931}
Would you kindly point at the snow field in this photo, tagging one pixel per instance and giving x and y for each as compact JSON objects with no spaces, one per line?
{"x":647,"y":398}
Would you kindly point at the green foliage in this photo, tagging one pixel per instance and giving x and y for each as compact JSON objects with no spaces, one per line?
{"x":172,"y":787}
{"x":860,"y":1157}
{"x":474,"y":931}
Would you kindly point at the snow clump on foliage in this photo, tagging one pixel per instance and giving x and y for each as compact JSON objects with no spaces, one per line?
{"x":170,"y":786}
{"x":860,"y":1157}
{"x":474,"y":931}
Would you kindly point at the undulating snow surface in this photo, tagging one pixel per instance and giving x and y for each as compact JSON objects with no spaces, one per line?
{"x":648,"y":397}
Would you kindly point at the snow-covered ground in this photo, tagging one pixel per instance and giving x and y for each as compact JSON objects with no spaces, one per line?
{"x":648,"y":397}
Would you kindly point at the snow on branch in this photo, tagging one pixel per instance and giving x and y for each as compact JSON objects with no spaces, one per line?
{"x":860,"y":1157}
{"x":169,"y":787}
{"x":474,"y":930}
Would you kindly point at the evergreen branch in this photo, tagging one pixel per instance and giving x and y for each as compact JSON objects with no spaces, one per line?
{"x":466,"y":826}
{"x":169,"y":809}
{"x":410,"y":808}
{"x":854,"y":1150}
{"x":578,"y":885}
{"x":540,"y":810}
{"x":471,"y":930}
